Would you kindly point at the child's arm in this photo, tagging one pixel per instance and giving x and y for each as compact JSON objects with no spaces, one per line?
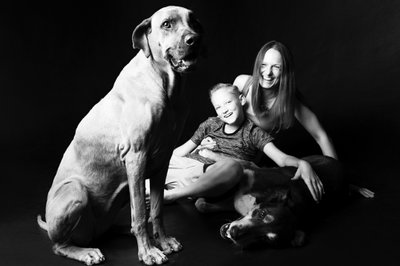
{"x":185,"y":148}
{"x":304,"y":169}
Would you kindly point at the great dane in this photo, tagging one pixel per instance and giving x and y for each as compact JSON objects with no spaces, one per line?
{"x":126,"y":138}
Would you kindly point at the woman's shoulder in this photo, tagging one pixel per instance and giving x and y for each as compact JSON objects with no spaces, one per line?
{"x":241,"y":80}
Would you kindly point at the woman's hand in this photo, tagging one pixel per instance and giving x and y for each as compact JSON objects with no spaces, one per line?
{"x":314,"y":184}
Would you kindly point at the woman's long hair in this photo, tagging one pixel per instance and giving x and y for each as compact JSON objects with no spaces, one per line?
{"x":282,"y":111}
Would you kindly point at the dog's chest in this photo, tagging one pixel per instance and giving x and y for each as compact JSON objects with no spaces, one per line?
{"x":166,"y":130}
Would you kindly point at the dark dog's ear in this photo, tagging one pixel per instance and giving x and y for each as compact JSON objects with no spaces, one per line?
{"x":273,"y":196}
{"x":299,"y":239}
{"x":139,"y":36}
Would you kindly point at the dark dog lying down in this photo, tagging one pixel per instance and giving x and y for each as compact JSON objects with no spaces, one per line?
{"x":273,"y":207}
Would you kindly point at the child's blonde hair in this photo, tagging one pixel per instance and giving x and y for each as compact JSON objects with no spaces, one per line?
{"x":227,"y":86}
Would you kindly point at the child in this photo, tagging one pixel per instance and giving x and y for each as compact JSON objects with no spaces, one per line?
{"x":235,"y":137}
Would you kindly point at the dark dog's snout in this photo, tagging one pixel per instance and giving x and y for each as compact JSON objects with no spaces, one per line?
{"x":223,"y":231}
{"x":229,"y":231}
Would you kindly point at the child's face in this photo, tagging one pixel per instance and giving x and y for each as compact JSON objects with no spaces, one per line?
{"x":229,"y":107}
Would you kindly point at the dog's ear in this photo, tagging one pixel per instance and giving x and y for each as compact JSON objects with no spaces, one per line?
{"x":299,"y":239}
{"x":139,"y":36}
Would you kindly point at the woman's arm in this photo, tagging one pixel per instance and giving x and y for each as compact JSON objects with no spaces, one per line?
{"x":185,"y":148}
{"x":310,"y":122}
{"x":304,"y":169}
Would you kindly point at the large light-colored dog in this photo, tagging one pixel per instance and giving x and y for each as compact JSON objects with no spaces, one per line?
{"x":126,"y":138}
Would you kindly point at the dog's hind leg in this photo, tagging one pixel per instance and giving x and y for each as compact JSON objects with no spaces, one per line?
{"x":70,"y":222}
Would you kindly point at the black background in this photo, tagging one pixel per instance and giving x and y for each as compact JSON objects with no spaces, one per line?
{"x":59,"y":59}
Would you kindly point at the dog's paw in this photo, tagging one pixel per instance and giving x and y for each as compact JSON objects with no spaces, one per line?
{"x":169,"y":245}
{"x":205,"y":207}
{"x":89,"y":256}
{"x":92,"y":256}
{"x":152,"y":256}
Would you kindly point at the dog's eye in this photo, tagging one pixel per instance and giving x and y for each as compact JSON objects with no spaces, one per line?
{"x":259,"y":213}
{"x":166,"y":24}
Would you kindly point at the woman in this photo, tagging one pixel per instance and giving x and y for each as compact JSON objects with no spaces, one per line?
{"x":272,"y":101}
{"x":271,"y":96}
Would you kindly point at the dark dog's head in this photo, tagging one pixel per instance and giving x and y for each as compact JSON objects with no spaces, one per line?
{"x":171,"y":36}
{"x":269,"y":221}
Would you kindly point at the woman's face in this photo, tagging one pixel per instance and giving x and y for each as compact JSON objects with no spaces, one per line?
{"x":271,"y":68}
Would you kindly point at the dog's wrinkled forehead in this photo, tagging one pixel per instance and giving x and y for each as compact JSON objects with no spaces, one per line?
{"x":170,"y":18}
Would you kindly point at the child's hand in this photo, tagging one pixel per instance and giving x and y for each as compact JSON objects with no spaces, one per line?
{"x":207,"y":143}
{"x":206,"y":153}
{"x":311,"y":179}
{"x":215,"y":156}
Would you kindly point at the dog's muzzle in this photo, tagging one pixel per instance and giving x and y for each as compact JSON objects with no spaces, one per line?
{"x":184,"y":57}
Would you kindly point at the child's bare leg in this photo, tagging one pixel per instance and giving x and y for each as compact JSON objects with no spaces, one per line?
{"x":219,"y":178}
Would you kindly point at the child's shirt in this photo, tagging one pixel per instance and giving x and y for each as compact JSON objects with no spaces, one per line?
{"x":243,"y":144}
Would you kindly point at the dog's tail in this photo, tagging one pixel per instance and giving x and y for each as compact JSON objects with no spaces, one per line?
{"x":42,"y":223}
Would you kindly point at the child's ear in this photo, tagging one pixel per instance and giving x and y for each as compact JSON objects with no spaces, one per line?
{"x":242,"y":99}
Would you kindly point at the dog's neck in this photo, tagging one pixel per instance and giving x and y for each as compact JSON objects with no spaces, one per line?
{"x":169,"y":80}
{"x":163,"y":76}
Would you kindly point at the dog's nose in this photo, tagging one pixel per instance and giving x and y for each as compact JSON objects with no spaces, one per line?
{"x":190,"y":39}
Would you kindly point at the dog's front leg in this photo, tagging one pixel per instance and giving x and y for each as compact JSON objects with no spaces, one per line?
{"x":135,"y":165}
{"x":168,"y":244}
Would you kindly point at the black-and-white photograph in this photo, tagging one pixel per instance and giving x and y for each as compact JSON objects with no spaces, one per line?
{"x":200,"y":132}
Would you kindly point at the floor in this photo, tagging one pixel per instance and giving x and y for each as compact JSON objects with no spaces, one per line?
{"x":363,"y":232}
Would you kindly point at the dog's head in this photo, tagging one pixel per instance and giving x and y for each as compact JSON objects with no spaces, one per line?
{"x":171,"y":36}
{"x":269,"y":221}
